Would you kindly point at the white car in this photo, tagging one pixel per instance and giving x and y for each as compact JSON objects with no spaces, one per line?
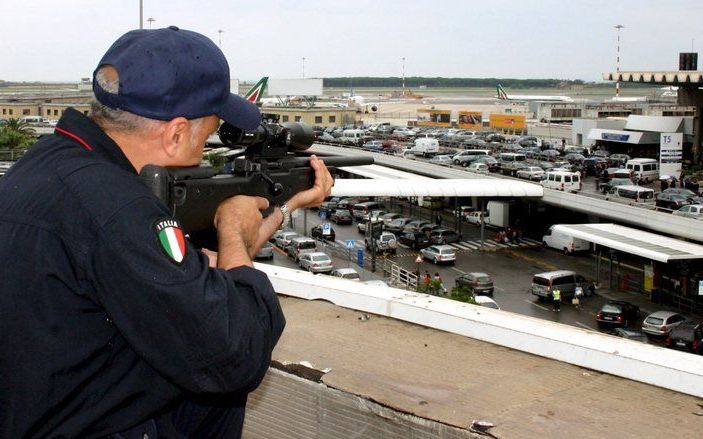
{"x":486,"y":301}
{"x":443,"y":160}
{"x":346,"y":273}
{"x":283,"y":238}
{"x":479,"y":168}
{"x":530,"y":173}
{"x":691,"y":211}
{"x":316,"y":262}
{"x":439,"y":253}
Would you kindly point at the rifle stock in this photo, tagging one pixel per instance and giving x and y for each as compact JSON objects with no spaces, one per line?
{"x":194,"y":193}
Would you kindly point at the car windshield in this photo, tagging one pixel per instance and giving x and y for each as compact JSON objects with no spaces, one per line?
{"x":320,"y":258}
{"x":306,"y":245}
{"x":611,"y":308}
{"x":540,"y":281}
{"x":654,"y":320}
{"x":483,"y":279}
{"x":685,"y":333}
{"x":489,"y":305}
{"x":446,"y":251}
{"x":386,"y":238}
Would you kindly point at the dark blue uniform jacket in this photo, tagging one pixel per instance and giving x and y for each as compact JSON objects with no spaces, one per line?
{"x":100,"y":328}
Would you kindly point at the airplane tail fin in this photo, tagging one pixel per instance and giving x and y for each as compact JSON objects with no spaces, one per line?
{"x":257,"y":91}
{"x":502,"y":95}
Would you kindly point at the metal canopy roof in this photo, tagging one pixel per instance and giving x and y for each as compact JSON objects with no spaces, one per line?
{"x":621,"y":136}
{"x":434,"y":188}
{"x":634,"y":241}
{"x":675,"y":77}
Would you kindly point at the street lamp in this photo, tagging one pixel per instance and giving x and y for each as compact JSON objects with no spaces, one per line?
{"x":617,"y":62}
{"x":219,"y":32}
{"x":303,"y":67}
{"x":403,"y":58}
{"x":150,"y":20}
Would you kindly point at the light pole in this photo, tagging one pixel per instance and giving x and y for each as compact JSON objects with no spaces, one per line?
{"x":219,"y":32}
{"x":303,"y":67}
{"x":141,"y":14}
{"x":617,"y":65}
{"x":403,"y":58}
{"x":150,"y":20}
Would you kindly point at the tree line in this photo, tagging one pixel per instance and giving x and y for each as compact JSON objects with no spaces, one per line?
{"x":417,"y":81}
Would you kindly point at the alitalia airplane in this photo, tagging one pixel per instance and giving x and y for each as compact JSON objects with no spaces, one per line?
{"x":503,"y":96}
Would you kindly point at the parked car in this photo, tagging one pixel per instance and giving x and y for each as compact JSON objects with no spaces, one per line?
{"x":316,"y":262}
{"x":671,"y":201}
{"x":444,"y":236}
{"x":443,"y":160}
{"x":687,"y":336}
{"x":265,"y":252}
{"x":439,"y":253}
{"x":605,"y":187}
{"x":283,"y":238}
{"x":691,"y":211}
{"x":632,"y":195}
{"x":478,"y":283}
{"x":316,"y":232}
{"x":617,"y":313}
{"x":341,"y":216}
{"x":486,"y":302}
{"x":492,"y":163}
{"x":414,"y":240}
{"x":414,"y":226}
{"x":346,"y":273}
{"x":530,"y":173}
{"x":574,"y":157}
{"x":478,"y":168}
{"x":388,"y":217}
{"x":300,"y":245}
{"x":387,"y":242}
{"x":397,"y":225}
{"x":660,"y":323}
{"x":631,"y":334}
{"x":328,"y":207}
{"x":373,"y":145}
{"x":618,"y":159}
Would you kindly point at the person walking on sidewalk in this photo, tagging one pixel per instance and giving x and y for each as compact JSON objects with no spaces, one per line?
{"x":578,"y":296}
{"x":556,"y":299}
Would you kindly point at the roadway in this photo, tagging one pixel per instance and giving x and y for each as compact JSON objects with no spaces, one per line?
{"x":511,"y":266}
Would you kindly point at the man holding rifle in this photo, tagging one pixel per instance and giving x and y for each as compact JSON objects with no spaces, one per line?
{"x":112,"y":323}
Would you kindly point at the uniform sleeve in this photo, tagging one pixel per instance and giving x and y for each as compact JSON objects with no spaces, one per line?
{"x":207,"y":330}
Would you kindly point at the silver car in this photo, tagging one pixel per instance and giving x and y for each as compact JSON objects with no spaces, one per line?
{"x":266,"y":252}
{"x":690,"y":211}
{"x":283,"y":238}
{"x":660,"y":323}
{"x":439,"y":253}
{"x":346,"y":273}
{"x":443,"y":160}
{"x":316,"y":262}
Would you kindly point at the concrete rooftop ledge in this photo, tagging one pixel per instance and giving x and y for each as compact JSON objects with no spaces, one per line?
{"x":674,"y":370}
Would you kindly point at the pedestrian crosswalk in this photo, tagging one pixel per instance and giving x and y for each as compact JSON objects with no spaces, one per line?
{"x":492,"y":244}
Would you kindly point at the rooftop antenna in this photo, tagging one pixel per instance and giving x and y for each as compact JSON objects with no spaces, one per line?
{"x":150,"y":20}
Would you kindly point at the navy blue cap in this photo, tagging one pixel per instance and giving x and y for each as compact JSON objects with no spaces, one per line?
{"x":171,"y":72}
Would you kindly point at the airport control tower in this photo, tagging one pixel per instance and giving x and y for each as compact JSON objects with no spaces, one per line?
{"x":689,"y":81}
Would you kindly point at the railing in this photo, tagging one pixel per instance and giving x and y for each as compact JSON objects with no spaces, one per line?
{"x":11,"y":155}
{"x":398,"y":276}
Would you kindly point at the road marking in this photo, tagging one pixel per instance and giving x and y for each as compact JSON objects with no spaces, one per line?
{"x":537,"y":305}
{"x":487,"y":242}
{"x":471,"y":245}
{"x":531,"y":241}
{"x":499,"y":288}
{"x":533,"y":260}
{"x":463,"y":246}
{"x":583,"y":326}
{"x":457,"y":270}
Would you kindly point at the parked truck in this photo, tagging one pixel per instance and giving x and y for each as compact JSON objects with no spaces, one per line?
{"x":498,"y":214}
{"x":425,"y":147}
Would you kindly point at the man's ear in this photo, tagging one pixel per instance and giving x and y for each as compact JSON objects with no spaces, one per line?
{"x":173,"y":135}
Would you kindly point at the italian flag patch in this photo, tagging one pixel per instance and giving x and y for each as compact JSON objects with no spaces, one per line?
{"x":171,"y":239}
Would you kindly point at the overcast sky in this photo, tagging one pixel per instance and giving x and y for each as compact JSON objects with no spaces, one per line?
{"x":62,"y":40}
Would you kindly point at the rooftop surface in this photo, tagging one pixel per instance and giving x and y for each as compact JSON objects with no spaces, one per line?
{"x":454,"y":379}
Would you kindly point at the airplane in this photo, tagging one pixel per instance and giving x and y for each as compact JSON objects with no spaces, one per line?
{"x":254,"y":95}
{"x":503,"y":96}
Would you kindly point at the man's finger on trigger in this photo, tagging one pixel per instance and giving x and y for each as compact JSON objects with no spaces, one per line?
{"x":262,"y":203}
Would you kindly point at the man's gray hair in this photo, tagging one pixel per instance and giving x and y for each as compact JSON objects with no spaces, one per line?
{"x":114,"y":119}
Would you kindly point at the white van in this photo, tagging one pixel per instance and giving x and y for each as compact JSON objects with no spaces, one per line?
{"x":31,"y":119}
{"x":562,"y":180}
{"x":644,"y":170}
{"x":564,"y":242}
{"x":425,"y":147}
{"x":352,"y":137}
{"x":632,"y":195}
